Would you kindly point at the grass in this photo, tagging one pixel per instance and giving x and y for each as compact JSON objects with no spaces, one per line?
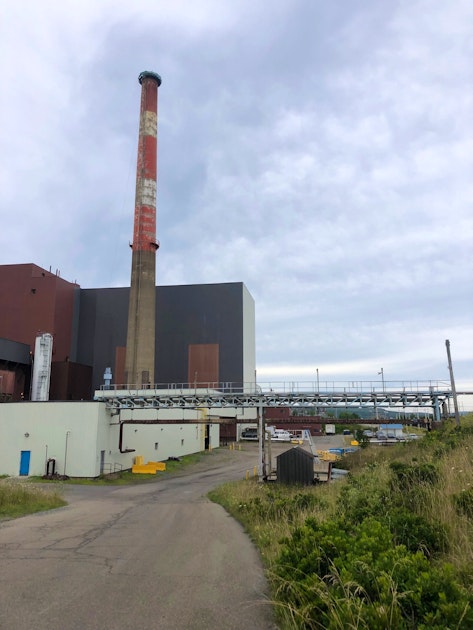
{"x":380,"y":480}
{"x":18,"y":499}
{"x":270,"y":512}
{"x":126,"y":477}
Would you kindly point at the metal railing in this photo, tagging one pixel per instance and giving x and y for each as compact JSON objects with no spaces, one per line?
{"x":286,"y":387}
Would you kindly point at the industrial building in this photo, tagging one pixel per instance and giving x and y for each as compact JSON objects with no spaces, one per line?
{"x":59,"y":343}
{"x":83,"y":439}
{"x":204,"y":333}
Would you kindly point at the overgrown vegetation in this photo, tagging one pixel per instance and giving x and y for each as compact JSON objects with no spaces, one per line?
{"x":388,"y":547}
{"x":18,"y":499}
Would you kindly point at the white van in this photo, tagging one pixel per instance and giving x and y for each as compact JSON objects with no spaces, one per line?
{"x":279,"y":435}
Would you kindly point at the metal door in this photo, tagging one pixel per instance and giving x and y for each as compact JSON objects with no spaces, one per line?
{"x":25,"y":463}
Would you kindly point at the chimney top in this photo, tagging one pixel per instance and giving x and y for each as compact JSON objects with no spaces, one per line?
{"x":146,"y":74}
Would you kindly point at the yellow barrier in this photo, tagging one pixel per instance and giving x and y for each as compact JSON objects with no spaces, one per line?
{"x":325,"y":456}
{"x":139,"y":460}
{"x":148,"y":469}
{"x":161,"y":466}
{"x":143,"y":469}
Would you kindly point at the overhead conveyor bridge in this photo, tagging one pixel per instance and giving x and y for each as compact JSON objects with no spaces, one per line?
{"x":352,"y":394}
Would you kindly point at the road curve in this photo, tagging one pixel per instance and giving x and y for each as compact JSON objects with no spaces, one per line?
{"x":156,"y":555}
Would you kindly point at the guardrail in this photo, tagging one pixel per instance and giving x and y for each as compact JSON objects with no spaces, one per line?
{"x":287,"y":387}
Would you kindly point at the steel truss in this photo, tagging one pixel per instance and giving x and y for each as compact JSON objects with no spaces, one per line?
{"x":230,"y":396}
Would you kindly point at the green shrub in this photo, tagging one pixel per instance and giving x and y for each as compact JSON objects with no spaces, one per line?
{"x":405,"y":475}
{"x":463,"y":502}
{"x":415,"y":532}
{"x":410,"y":483}
{"x":331,"y":574}
{"x":364,"y":496}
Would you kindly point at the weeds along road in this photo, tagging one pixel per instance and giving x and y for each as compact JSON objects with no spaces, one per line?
{"x":156,"y":555}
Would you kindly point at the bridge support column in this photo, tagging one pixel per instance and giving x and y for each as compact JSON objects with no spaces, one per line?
{"x":261,"y":471}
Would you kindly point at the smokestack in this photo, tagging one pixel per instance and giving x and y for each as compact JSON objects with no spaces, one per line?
{"x":140,"y":344}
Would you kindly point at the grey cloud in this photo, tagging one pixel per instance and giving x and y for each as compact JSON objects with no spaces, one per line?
{"x":319,"y":152}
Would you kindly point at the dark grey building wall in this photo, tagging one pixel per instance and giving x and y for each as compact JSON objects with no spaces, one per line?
{"x":188,"y":314}
{"x":194,"y":314}
{"x":102,"y":327}
{"x":14,"y":352}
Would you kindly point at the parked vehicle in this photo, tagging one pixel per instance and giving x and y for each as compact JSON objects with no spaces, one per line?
{"x":279,"y":435}
{"x":249,"y":434}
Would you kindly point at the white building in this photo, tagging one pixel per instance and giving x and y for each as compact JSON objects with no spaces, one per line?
{"x":86,"y":439}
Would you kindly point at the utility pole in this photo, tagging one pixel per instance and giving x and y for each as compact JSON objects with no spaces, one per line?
{"x":261,"y":438}
{"x":382,"y":377}
{"x":452,"y":382}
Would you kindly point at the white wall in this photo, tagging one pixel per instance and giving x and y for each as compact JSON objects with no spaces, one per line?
{"x":89,"y":428}
{"x":43,"y":429}
{"x":158,"y":442}
{"x":249,"y":337}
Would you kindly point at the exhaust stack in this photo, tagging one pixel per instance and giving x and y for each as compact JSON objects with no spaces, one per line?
{"x":140,"y":344}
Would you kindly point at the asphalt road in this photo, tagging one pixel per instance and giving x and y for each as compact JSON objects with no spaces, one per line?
{"x":152,"y":556}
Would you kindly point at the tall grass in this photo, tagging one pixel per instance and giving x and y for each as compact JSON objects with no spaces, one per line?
{"x":420,"y":495}
{"x":18,"y":499}
{"x":269,"y":513}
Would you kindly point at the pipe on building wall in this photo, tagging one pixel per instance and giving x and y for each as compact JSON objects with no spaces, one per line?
{"x":120,"y":440}
{"x":123,"y":422}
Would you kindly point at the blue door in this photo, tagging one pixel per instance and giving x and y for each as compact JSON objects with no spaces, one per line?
{"x":25,"y":462}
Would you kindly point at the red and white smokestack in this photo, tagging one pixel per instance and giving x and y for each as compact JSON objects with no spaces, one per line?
{"x":140,"y":347}
{"x":144,"y":232}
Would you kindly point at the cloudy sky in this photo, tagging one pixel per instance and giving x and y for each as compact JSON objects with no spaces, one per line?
{"x":320,"y":152}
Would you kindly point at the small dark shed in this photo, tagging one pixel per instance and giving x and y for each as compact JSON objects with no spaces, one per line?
{"x":295,"y":466}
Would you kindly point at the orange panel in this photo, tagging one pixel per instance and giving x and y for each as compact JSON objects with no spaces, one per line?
{"x":203,"y":363}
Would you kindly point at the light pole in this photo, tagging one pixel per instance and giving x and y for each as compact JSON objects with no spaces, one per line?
{"x":452,"y":384}
{"x":382,"y":377}
{"x":65,"y":452}
{"x":318,"y":392}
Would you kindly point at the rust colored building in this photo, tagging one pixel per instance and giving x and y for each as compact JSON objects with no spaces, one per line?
{"x":34,"y":301}
{"x":204,"y":333}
